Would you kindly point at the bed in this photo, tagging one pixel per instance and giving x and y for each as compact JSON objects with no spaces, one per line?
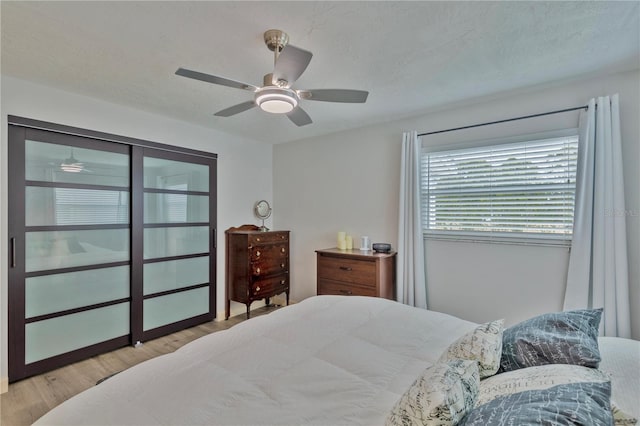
{"x":327,"y":360}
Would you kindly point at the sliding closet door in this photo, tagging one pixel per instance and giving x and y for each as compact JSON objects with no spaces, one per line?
{"x":111,"y":242}
{"x":178,"y":241}
{"x":69,"y":278}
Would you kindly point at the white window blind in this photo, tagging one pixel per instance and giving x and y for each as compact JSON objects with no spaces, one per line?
{"x":176,"y":207}
{"x":514,"y":189}
{"x":75,"y":206}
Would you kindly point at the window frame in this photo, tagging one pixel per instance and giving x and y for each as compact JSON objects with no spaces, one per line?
{"x":514,"y":238}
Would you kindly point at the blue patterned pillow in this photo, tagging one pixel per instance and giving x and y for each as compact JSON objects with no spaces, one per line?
{"x":559,"y":338}
{"x":571,"y":404}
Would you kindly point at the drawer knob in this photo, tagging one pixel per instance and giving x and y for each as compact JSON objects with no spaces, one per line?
{"x":282,"y":281}
{"x":282,"y":265}
{"x":258,"y":239}
{"x":282,"y":237}
{"x":258,"y":253}
{"x":347,"y":292}
{"x":346,"y":268}
{"x":257,"y":271}
{"x":258,"y":288}
{"x":283,"y":249}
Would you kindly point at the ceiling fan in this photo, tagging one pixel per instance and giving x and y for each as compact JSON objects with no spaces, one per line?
{"x":276,"y":95}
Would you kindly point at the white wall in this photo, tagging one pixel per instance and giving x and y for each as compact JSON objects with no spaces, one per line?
{"x":349,"y":181}
{"x":244,"y":166}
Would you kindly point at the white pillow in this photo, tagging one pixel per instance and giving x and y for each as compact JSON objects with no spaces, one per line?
{"x":483,"y":344}
{"x":442,"y":395}
{"x":620,"y":418}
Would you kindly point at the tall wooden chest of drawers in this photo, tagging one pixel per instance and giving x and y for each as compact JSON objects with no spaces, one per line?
{"x":356,"y":272}
{"x":257,"y":265}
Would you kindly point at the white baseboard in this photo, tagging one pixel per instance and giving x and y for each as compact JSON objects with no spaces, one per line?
{"x":4,"y":384}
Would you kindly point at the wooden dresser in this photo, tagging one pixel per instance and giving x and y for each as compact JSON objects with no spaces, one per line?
{"x":355,"y":272}
{"x":257,"y":265}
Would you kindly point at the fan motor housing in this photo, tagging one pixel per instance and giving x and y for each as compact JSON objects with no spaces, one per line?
{"x":276,"y":39}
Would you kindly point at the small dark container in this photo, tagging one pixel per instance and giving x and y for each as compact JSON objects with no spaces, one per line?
{"x":382,"y":247}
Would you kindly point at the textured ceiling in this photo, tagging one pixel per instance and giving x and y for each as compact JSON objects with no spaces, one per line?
{"x":410,"y":56}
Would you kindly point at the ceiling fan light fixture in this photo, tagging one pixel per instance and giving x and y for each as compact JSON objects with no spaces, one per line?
{"x":276,"y":105}
{"x":276,"y":100}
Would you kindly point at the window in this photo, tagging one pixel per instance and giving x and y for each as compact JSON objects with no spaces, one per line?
{"x":521,"y":189}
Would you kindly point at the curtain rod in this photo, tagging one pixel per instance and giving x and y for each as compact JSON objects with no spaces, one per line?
{"x":506,"y":120}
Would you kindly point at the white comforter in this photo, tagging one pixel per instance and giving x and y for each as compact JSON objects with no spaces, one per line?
{"x":328,"y":360}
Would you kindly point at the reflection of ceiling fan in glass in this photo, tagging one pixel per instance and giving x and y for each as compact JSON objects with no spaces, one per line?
{"x":72,"y":165}
{"x":262,"y":210}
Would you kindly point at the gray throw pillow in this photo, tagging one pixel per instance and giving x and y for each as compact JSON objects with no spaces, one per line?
{"x":558,"y":338}
{"x":572,"y":404}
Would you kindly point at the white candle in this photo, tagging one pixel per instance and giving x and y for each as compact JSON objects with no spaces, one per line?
{"x":342,"y":244}
{"x":365,"y":244}
{"x":341,"y":236}
{"x":349,"y":241}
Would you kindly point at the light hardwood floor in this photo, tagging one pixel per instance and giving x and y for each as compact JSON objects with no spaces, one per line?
{"x":29,"y":399}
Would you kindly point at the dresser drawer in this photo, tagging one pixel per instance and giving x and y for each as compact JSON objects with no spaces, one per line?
{"x":339,"y":288}
{"x":355,"y":271}
{"x":270,"y":252}
{"x":267,"y":238}
{"x":270,"y":286}
{"x":265,"y":267}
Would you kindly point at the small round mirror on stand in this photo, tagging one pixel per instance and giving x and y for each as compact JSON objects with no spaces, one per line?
{"x":262,"y":210}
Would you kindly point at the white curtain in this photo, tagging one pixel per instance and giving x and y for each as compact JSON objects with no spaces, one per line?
{"x":598,"y":273}
{"x":410,"y":281}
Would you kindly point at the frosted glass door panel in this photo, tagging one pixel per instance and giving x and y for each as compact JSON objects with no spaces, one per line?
{"x":47,"y":162}
{"x":176,"y":202}
{"x":164,"y":310}
{"x":63,"y":249}
{"x":173,"y":274}
{"x":55,"y":293}
{"x":167,"y":242}
{"x":55,"y":336}
{"x":175,"y":208}
{"x":176,"y":175}
{"x":74,"y":206}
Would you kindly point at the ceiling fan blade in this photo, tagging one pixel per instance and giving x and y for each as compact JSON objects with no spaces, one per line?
{"x":236,"y":109}
{"x":299,"y":117}
{"x":335,"y":95}
{"x":291,"y":63}
{"x":215,"y":79}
